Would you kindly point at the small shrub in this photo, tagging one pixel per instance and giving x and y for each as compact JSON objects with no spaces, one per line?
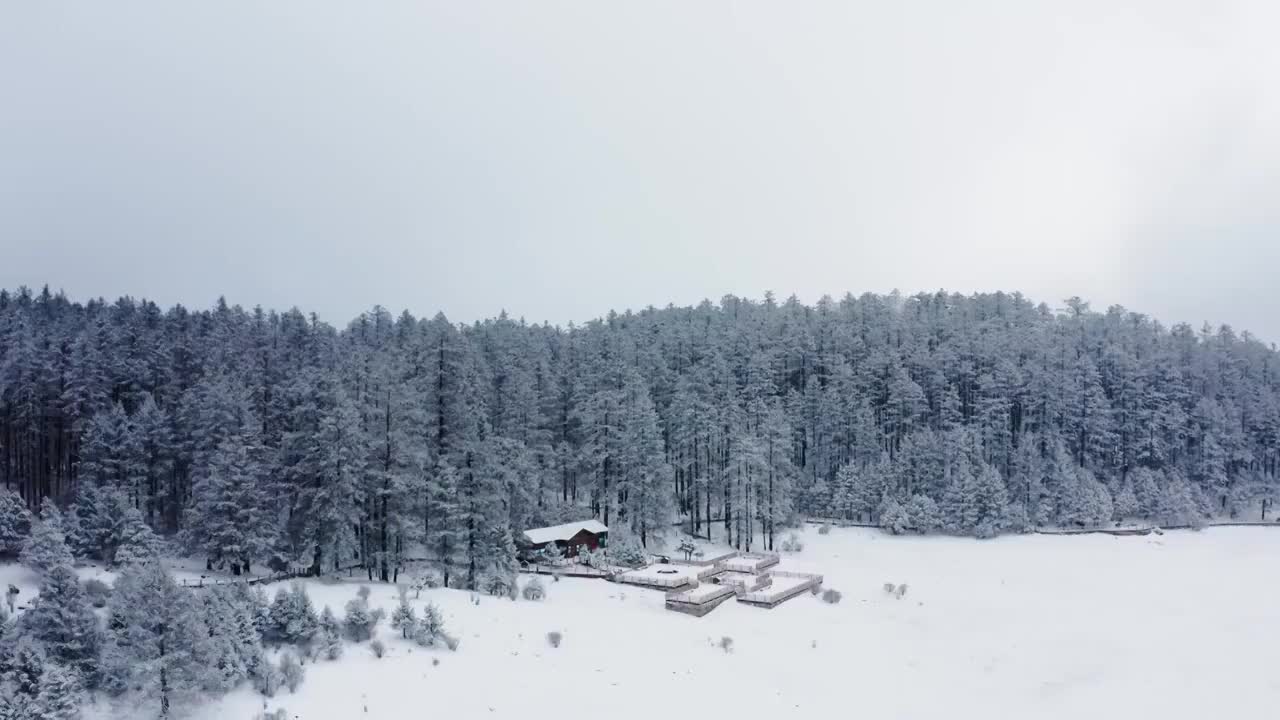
{"x":330,"y":635}
{"x":378,"y":648}
{"x":889,"y":588}
{"x":816,"y":590}
{"x":792,"y":544}
{"x":902,"y":591}
{"x":534,"y":590}
{"x":497,"y":585}
{"x":363,"y":593}
{"x":404,"y":619}
{"x":451,"y":642}
{"x":555,"y":577}
{"x":554,"y":637}
{"x":626,"y":550}
{"x":825,"y":529}
{"x":291,"y":671}
{"x":268,"y":680}
{"x":726,"y":644}
{"x":360,"y":621}
{"x":831,"y":597}
{"x":277,"y":714}
{"x":435,"y":662}
{"x":97,"y":591}
{"x":428,"y":580}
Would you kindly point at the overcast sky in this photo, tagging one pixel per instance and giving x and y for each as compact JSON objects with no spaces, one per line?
{"x":558,"y":159}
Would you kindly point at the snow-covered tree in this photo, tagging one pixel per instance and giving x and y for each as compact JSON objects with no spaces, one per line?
{"x":136,"y":542}
{"x":232,"y":516}
{"x":360,"y":621}
{"x":156,"y":638}
{"x":330,"y":634}
{"x":59,"y":696}
{"x":292,"y":617}
{"x":15,"y":523}
{"x":46,"y":548}
{"x":403,"y":618}
{"x":64,"y":623}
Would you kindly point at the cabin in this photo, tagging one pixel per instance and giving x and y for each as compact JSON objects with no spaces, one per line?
{"x":568,"y":537}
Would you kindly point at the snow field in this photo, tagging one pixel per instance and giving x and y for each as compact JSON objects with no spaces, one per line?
{"x":1172,"y":626}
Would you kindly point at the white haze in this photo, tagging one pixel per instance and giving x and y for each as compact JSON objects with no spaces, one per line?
{"x":562,"y":158}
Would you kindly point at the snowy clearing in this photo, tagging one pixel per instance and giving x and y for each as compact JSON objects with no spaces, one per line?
{"x":1174,"y":626}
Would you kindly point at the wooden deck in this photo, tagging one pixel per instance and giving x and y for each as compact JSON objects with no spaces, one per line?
{"x":766,"y":599}
{"x":682,"y":602}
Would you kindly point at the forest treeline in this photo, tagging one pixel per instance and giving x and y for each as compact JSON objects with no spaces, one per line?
{"x":258,"y":437}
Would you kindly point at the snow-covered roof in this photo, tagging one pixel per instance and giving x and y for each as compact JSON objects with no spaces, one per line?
{"x":537,"y":536}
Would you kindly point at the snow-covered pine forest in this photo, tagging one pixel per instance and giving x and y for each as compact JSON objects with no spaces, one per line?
{"x":254,"y":438}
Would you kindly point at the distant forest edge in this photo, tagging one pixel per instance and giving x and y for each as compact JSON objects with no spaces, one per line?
{"x":253,"y":437}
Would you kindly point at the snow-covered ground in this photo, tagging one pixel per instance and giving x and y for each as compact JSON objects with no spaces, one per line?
{"x":1175,"y":626}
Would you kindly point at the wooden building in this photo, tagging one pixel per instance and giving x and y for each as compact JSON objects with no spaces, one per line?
{"x":592,"y":534}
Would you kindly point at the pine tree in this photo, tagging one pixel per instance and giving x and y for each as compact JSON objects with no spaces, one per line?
{"x":292,"y":617}
{"x":15,"y":523}
{"x":156,"y":638}
{"x":323,"y":464}
{"x":330,"y":634}
{"x":62,"y":620}
{"x":136,"y":542}
{"x":46,"y":548}
{"x":231,"y":517}
{"x":59,"y":696}
{"x":1126,"y":503}
{"x":404,"y":619}
{"x":442,"y":536}
{"x":25,"y":666}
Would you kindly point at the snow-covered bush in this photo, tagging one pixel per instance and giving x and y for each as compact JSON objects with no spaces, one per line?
{"x":430,"y":629}
{"x":923,"y":515}
{"x":534,"y":590}
{"x":497,"y":585}
{"x":591,"y":558}
{"x":894,"y":518}
{"x":363,"y":593}
{"x":360,"y":621}
{"x":726,"y":644}
{"x":97,"y":591}
{"x":330,"y":635}
{"x":291,"y":671}
{"x":429,"y":580}
{"x":554,"y":638}
{"x":792,"y":543}
{"x":452,"y":642}
{"x":824,"y":529}
{"x":292,"y":618}
{"x":625,"y":550}
{"x":901,"y":591}
{"x":889,"y":588}
{"x":551,"y":554}
{"x":404,"y":619}
{"x":831,"y":597}
{"x":268,"y":680}
{"x":378,"y":648}
{"x":277,"y":714}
